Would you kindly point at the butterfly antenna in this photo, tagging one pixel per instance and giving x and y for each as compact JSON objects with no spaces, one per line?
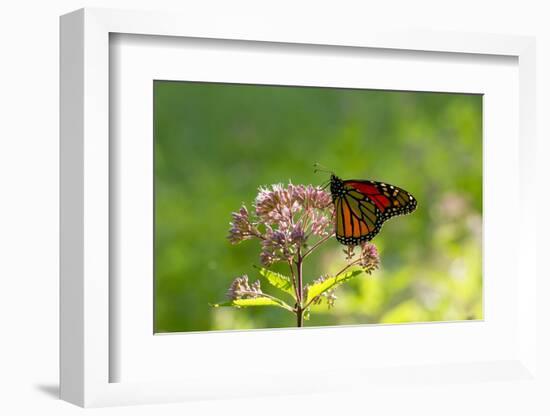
{"x":320,"y":168}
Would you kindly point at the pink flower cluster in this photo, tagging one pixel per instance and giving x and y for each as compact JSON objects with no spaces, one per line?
{"x":241,"y":289}
{"x":285,"y":218}
{"x":370,"y":259}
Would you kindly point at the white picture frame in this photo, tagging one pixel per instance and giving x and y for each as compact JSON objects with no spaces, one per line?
{"x":87,"y":299}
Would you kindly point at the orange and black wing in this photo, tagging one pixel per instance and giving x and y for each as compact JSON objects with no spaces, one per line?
{"x":361,"y":207}
{"x":357,"y":218}
{"x":389,"y":199}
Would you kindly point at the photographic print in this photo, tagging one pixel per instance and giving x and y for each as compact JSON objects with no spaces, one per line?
{"x":290,"y":206}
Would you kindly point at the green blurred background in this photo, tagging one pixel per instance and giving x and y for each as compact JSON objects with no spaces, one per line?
{"x":215,"y":144}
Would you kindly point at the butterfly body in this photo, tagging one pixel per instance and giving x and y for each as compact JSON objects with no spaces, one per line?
{"x":362,"y":206}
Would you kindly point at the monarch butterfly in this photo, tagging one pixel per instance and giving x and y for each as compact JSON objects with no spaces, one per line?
{"x":362,"y":206}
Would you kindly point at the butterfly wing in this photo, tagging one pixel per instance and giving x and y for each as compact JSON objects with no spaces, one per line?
{"x":361,"y":207}
{"x":357,"y":219}
{"x":389,"y":199}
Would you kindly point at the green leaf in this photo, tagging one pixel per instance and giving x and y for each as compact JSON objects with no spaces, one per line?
{"x":278,"y":280}
{"x":318,"y":289}
{"x":259,"y":301}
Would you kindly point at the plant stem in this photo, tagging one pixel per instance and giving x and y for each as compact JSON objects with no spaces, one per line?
{"x":353,"y":263}
{"x":317,"y":244}
{"x":299,"y":318}
{"x":293,"y":279}
{"x":299,"y":309}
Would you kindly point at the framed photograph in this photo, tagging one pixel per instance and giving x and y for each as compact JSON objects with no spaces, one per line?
{"x":300,"y":244}
{"x":241,"y":212}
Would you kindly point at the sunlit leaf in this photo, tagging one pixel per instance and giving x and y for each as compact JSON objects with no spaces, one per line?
{"x":329,"y":283}
{"x":259,"y":301}
{"x":278,"y":281}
